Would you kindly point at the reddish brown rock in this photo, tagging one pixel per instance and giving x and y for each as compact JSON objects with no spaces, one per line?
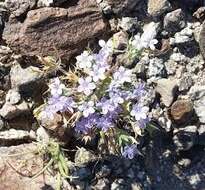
{"x":48,"y":29}
{"x":181,"y":111}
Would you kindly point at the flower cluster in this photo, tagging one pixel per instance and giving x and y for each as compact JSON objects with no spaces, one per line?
{"x":104,"y":95}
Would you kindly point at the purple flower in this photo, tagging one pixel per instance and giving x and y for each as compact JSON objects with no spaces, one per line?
{"x":97,"y":73}
{"x":122,"y":75}
{"x":116,"y":96}
{"x":84,"y":60}
{"x":47,"y":113}
{"x":85,"y":125}
{"x":143,"y":123}
{"x":130,"y":151}
{"x":56,"y":87}
{"x":104,"y":123}
{"x":139,"y":112}
{"x":139,"y":91}
{"x":62,"y":103}
{"x":87,"y":108}
{"x":101,"y":59}
{"x":86,"y":85}
{"x":106,"y":105}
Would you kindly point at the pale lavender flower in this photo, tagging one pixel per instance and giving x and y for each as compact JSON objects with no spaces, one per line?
{"x":62,"y":103}
{"x":130,"y":151}
{"x":56,"y":87}
{"x":122,"y":75}
{"x":97,"y":73}
{"x":101,"y":59}
{"x":107,"y":47}
{"x":47,"y":113}
{"x":105,"y":123}
{"x":87,"y":108}
{"x":143,"y":123}
{"x":106,"y":105}
{"x":116,"y":96}
{"x":138,"y":91}
{"x":84,"y":60}
{"x":86,"y":85}
{"x":139,"y":112}
{"x":85,"y":125}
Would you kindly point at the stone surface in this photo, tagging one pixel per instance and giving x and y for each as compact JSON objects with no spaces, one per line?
{"x":56,"y":31}
{"x":174,"y":21}
{"x":48,"y":3}
{"x":181,"y":111}
{"x":199,"y":109}
{"x":26,"y":163}
{"x":13,"y":96}
{"x":166,"y":88}
{"x":121,"y":40}
{"x":185,"y":138}
{"x":9,"y":111}
{"x":202,"y":39}
{"x":19,"y":7}
{"x":122,"y":6}
{"x":158,"y":7}
{"x":24,"y":76}
{"x":185,"y":83}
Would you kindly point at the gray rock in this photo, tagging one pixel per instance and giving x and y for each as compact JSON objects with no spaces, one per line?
{"x":174,"y":21}
{"x":185,"y":35}
{"x":121,"y":40}
{"x":119,"y":184}
{"x":48,"y":3}
{"x":9,"y":111}
{"x":166,"y":88}
{"x":196,"y":92}
{"x":199,"y":109}
{"x":185,"y":83}
{"x":128,"y":24}
{"x":5,"y":54}
{"x":102,"y":184}
{"x":24,"y":76}
{"x":156,"y":68}
{"x":122,"y":7}
{"x":158,"y":7}
{"x":150,"y":31}
{"x":19,"y":7}
{"x":185,"y":138}
{"x":201,"y":131}
{"x":13,"y":134}
{"x":13,"y":96}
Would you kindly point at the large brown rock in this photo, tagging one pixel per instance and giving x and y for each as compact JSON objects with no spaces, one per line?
{"x":48,"y":29}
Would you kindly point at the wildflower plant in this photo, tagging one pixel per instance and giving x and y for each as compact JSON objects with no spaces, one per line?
{"x":103,"y":99}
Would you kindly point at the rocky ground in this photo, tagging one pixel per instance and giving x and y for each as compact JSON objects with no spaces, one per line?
{"x":173,"y":157}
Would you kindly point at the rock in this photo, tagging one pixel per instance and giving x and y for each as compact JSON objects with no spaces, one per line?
{"x":128,"y":24}
{"x":166,"y":88}
{"x":185,"y":35}
{"x":181,"y":111}
{"x":202,"y":39}
{"x":121,"y":40}
{"x":119,"y":184}
{"x":122,"y":7}
{"x":19,"y":7}
{"x":158,"y":7}
{"x":185,"y":83}
{"x":56,"y":31}
{"x":9,"y":111}
{"x":42,"y":135}
{"x":201,"y":131}
{"x":185,"y":138}
{"x":199,"y":109}
{"x":22,"y":77}
{"x":156,"y":68}
{"x":48,"y":3}
{"x":83,"y":157}
{"x":27,"y":163}
{"x":196,"y":92}
{"x":13,"y":96}
{"x":15,"y":135}
{"x":5,"y":54}
{"x":104,"y":171}
{"x":102,"y":184}
{"x":174,"y":21}
{"x":2,"y":124}
{"x":184,"y":162}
